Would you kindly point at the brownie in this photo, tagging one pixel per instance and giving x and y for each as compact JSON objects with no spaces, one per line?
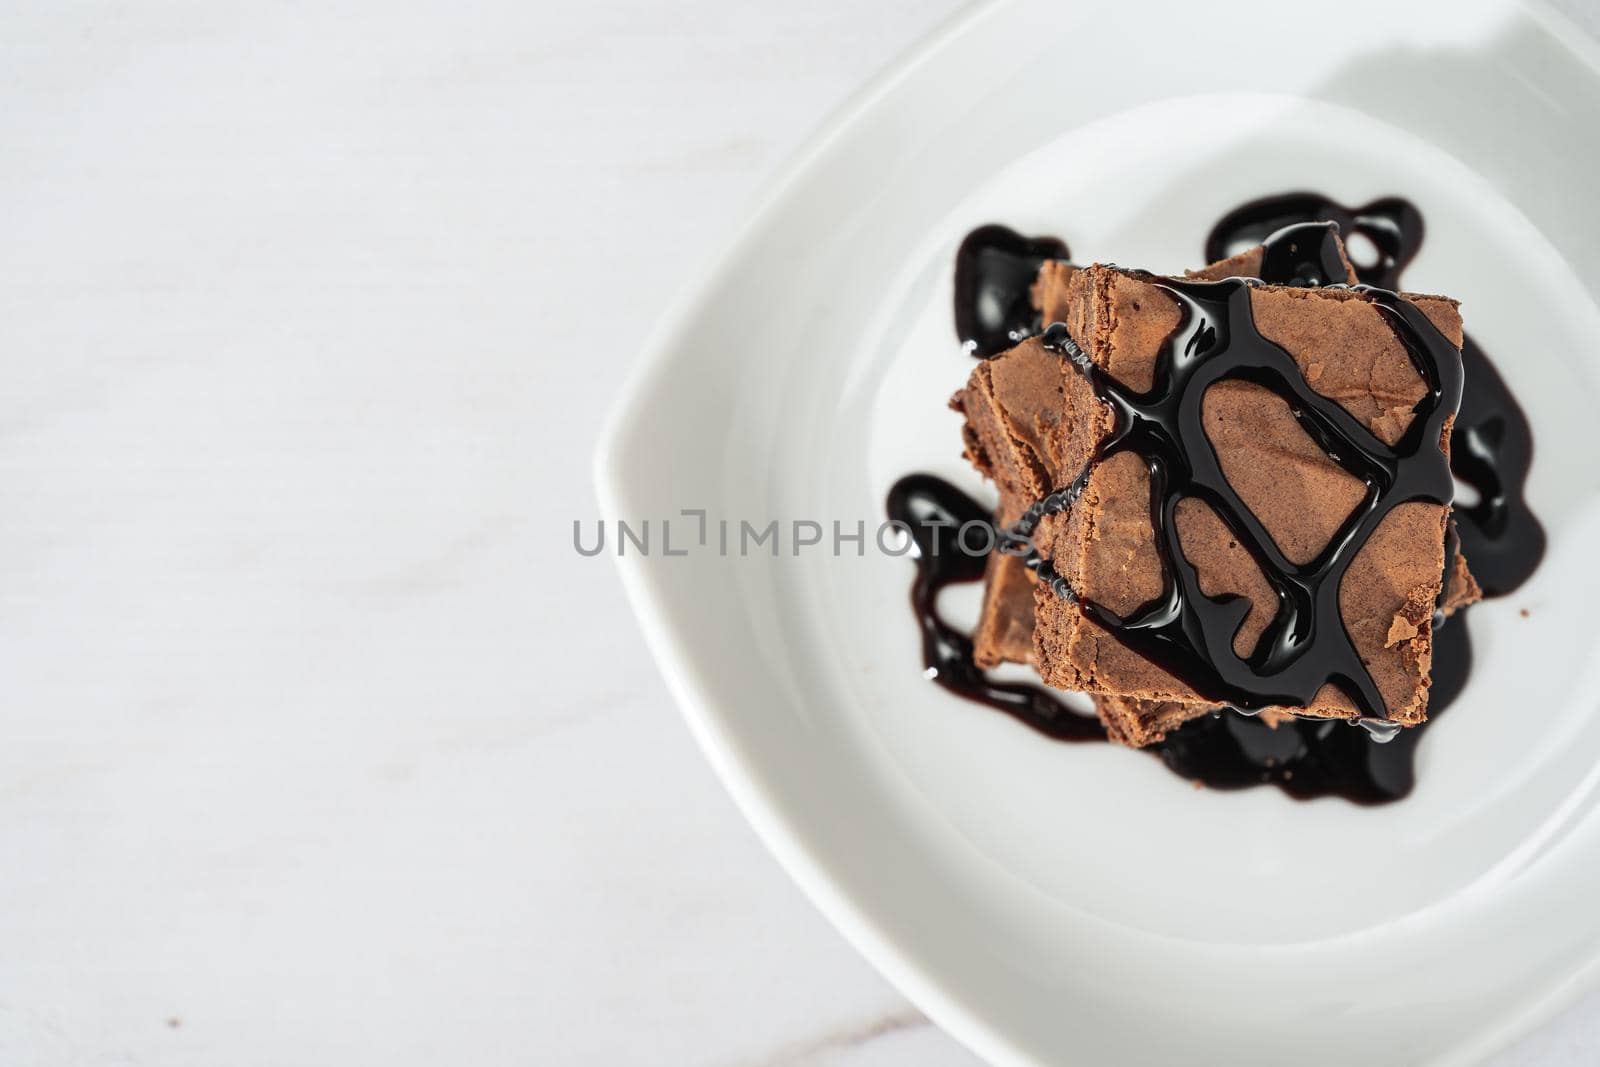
{"x":1104,"y":547}
{"x":1004,"y":633}
{"x":1030,"y":385}
{"x":1134,"y":722}
{"x":1032,"y":424}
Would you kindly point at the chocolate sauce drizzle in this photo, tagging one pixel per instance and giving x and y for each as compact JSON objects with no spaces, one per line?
{"x":1491,"y":450}
{"x":1491,"y":447}
{"x":1190,"y":634}
{"x":1305,"y":255}
{"x":995,"y":269}
{"x":1393,"y":225}
{"x":938,"y":514}
{"x":1305,"y":758}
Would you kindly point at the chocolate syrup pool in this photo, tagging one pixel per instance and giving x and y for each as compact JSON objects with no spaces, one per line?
{"x":995,"y":268}
{"x":1499,"y":535}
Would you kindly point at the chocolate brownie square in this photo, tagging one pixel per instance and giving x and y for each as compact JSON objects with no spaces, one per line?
{"x":1015,"y":434}
{"x":1104,"y":548}
{"x":1018,"y":426}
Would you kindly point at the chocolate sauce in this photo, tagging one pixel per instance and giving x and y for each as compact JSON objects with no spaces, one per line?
{"x":1309,"y":758}
{"x":1491,"y":450}
{"x":1305,"y":758}
{"x":1304,"y":254}
{"x":995,"y":269}
{"x":1393,"y":225}
{"x":938,"y":515}
{"x":1190,"y":634}
{"x":1492,"y":445}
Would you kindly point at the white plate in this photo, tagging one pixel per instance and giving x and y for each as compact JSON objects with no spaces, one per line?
{"x":1051,"y":903}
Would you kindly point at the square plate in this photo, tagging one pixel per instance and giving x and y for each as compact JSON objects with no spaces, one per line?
{"x":1051,"y":902}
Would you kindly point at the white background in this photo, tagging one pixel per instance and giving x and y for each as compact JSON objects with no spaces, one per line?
{"x":318,"y":744}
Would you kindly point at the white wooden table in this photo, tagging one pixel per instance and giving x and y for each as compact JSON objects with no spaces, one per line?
{"x":317,"y":743}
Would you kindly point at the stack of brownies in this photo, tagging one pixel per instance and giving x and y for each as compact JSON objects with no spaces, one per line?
{"x":1036,"y":423}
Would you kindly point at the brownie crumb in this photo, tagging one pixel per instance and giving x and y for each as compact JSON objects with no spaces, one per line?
{"x":1401,"y":629}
